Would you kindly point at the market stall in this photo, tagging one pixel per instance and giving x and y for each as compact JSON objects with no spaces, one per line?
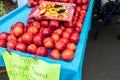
{"x":70,"y":70}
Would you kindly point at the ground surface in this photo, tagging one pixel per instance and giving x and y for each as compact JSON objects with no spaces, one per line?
{"x":102,"y":57}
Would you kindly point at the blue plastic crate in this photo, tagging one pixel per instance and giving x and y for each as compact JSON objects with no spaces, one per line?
{"x":69,"y":70}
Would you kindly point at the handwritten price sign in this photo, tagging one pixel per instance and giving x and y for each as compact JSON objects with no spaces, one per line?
{"x":23,"y":68}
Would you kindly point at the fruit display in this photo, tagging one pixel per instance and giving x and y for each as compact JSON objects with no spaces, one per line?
{"x":51,"y":38}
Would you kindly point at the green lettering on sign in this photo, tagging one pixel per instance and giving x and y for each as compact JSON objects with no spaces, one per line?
{"x":24,"y":68}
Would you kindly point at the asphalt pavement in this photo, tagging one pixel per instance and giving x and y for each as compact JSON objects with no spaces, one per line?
{"x":102,"y":57}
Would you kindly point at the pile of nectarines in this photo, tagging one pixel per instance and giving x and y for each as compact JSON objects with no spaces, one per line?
{"x":52,"y":38}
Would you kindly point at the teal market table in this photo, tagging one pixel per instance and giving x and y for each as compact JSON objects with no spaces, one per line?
{"x":69,"y":70}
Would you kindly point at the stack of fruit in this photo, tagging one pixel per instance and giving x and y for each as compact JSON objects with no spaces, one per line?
{"x":47,"y":38}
